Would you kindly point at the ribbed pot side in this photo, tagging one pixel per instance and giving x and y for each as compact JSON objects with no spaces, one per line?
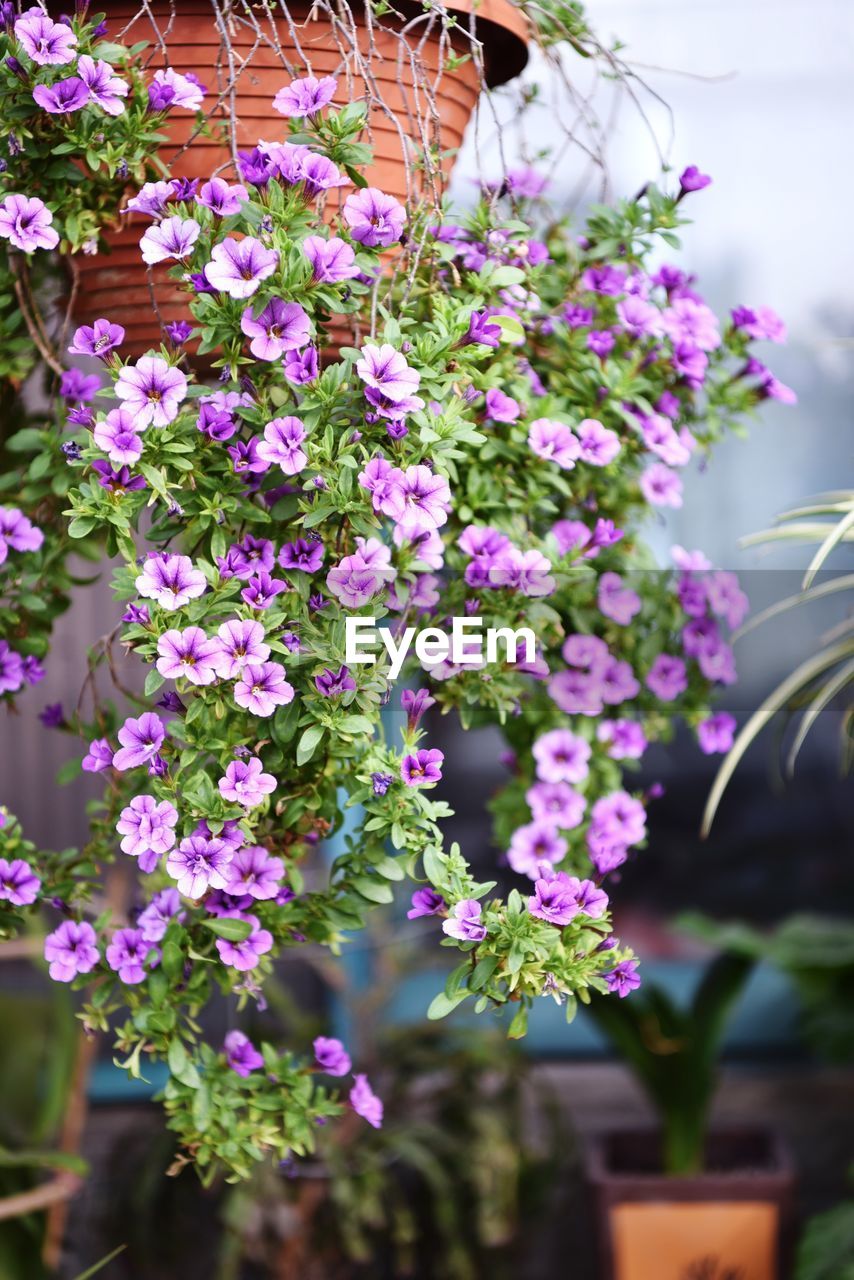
{"x":117,"y":285}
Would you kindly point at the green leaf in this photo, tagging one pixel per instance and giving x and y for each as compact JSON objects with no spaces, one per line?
{"x":99,"y":1266}
{"x":442,"y":1005}
{"x":81,"y":526}
{"x":308,"y":743}
{"x":230,"y":929}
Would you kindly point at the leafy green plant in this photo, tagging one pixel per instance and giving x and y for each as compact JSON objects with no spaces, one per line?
{"x":440,"y":1190}
{"x":674,"y":1051}
{"x":827,"y":674}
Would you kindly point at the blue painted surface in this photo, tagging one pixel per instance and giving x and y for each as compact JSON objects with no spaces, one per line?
{"x":763,"y":1024}
{"x":108,"y":1083}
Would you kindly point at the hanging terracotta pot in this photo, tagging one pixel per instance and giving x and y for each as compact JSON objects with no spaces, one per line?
{"x":413,"y":98}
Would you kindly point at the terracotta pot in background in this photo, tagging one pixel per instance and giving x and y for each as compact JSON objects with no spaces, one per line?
{"x":733,"y":1221}
{"x":116,"y":284}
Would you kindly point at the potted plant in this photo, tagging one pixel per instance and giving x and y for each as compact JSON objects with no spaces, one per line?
{"x":525,"y":406}
{"x":701,"y":1202}
{"x":411,"y":75}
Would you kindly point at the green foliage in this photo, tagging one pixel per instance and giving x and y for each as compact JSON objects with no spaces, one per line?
{"x":674,"y":1051}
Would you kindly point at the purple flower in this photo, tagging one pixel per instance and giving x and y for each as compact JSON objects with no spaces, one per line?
{"x":660,"y":486}
{"x":239,"y":643}
{"x":482,"y":329}
{"x":385,"y":370}
{"x":417,"y":500}
{"x":302,"y":555}
{"x":555,"y":442}
{"x":27,"y":223}
{"x":215,"y":423}
{"x":332,"y":260}
{"x":599,"y":445}
{"x":79,"y":387}
{"x":19,"y":884}
{"x":52,"y":717}
{"x":306,"y":96}
{"x":11,"y":669}
{"x":617,"y":821}
{"x":534,"y":844}
{"x":333,"y":683}
{"x":262,"y":590}
{"x":62,"y":97}
{"x":99,"y":339}
{"x":625,"y":738}
{"x":32,"y":670}
{"x":199,"y":864}
{"x":117,"y":436}
{"x":465,"y":922}
{"x":556,"y":803}
{"x":331,"y":1056}
{"x":262,"y":687}
{"x":561,"y":756}
{"x":170,"y":89}
{"x":281,"y":445}
{"x":424,"y":767}
{"x":365,"y":1102}
{"x":189,"y":654}
{"x":717,"y":733}
{"x":237,"y":267}
{"x":301,"y":367}
{"x":152,"y":199}
{"x":255,"y":872}
{"x":687,"y":321}
{"x":163,"y":907}
{"x":615,"y":601}
{"x":120,"y":481}
{"x":246,"y":784}
{"x":152,"y":390}
{"x":692,"y":180}
{"x":375,"y":219}
{"x":554,"y":900}
{"x":71,"y":949}
{"x":98,"y":757}
{"x":667,"y":677}
{"x":48,"y":43}
{"x":172,"y":238}
{"x":380,"y":783}
{"x":105,"y":88}
{"x":500,"y":407}
{"x":425,"y":902}
{"x":178,"y":331}
{"x":126,"y":955}
{"x":222,"y":199}
{"x":247,"y":458}
{"x":18,"y":532}
{"x":240,"y":1054}
{"x":281,"y":326}
{"x":760,"y":323}
{"x":623,"y":978}
{"x":170,"y":580}
{"x":244,"y":955}
{"x":415,"y":702}
{"x":148,"y":830}
{"x":141,"y":740}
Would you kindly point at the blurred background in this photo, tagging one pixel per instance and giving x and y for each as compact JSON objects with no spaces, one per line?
{"x":759,"y":94}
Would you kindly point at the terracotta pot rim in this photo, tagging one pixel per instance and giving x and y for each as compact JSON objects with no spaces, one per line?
{"x":500,"y":24}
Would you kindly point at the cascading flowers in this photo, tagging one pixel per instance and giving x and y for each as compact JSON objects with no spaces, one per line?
{"x":491,"y":451}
